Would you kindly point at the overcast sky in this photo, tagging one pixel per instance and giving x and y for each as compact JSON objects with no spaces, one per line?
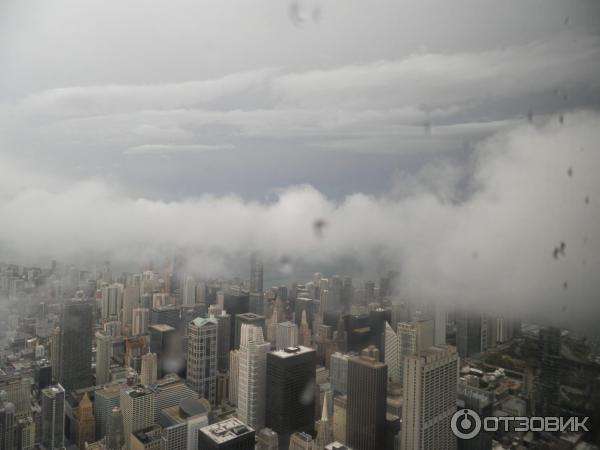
{"x":433,"y":137}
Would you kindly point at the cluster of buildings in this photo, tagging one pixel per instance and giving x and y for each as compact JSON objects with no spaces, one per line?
{"x":168,"y":360}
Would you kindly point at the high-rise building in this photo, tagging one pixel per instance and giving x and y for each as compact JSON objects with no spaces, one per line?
{"x":85,"y":423}
{"x":286,"y":335}
{"x":366,"y":404}
{"x":229,"y":434}
{"x":249,"y":319}
{"x":104,"y":348}
{"x":189,"y":291}
{"x":170,"y":391}
{"x":547,"y":393}
{"x":181,"y":424}
{"x":149,"y":373}
{"x":115,"y":436}
{"x":290,"y":393}
{"x":482,"y":402}
{"x":112,"y":301}
{"x":430,"y":380}
{"x":256,"y":273}
{"x":165,"y":314}
{"x":105,"y":400}
{"x":338,"y":372}
{"x":234,"y":375}
{"x":223,"y":336}
{"x":131,"y":300}
{"x":138,"y":406}
{"x":141,"y":320}
{"x":324,"y":428}
{"x":301,"y":440}
{"x":267,"y":439}
{"x":340,"y":404}
{"x":471,"y":333}
{"x":392,"y":353}
{"x":252,"y":381}
{"x":8,"y":424}
{"x":76,"y":325}
{"x":149,"y":438}
{"x":413,"y":337}
{"x":304,"y":333}
{"x":53,"y":418}
{"x":165,"y":342}
{"x":202,"y":358}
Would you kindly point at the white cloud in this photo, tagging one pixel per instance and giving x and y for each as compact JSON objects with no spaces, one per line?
{"x":492,"y":247}
{"x":160,"y":149}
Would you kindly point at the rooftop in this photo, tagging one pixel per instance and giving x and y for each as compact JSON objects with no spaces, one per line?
{"x":226,"y":430}
{"x":292,"y":351}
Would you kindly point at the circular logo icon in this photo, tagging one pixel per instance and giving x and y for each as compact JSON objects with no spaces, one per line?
{"x":465,"y":424}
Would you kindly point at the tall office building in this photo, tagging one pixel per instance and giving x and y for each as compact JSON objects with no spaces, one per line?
{"x":149,"y":372}
{"x":112,"y":301}
{"x":165,"y":342}
{"x":338,"y":372}
{"x":141,"y":320}
{"x":115,"y":436}
{"x":104,"y":348}
{"x":301,"y":440}
{"x":267,"y":439}
{"x":138,"y":406}
{"x":234,"y":375}
{"x":8,"y":424}
{"x":170,"y":391}
{"x":223,"y":337}
{"x":249,"y":319}
{"x":290,"y":396}
{"x":324,"y":428}
{"x":366,"y":403}
{"x":413,"y":337}
{"x":85,"y":423}
{"x":256,"y":273}
{"x":131,"y":300}
{"x":53,"y":418}
{"x":471,"y":333}
{"x":482,"y":402}
{"x":286,"y":335}
{"x":105,"y":400}
{"x":547,"y":395}
{"x":189,"y":291}
{"x":202,"y":358}
{"x":76,"y":324}
{"x":430,"y":380}
{"x":340,"y":404}
{"x":392,"y":353}
{"x":181,"y":424}
{"x":252,"y":376}
{"x":304,"y":333}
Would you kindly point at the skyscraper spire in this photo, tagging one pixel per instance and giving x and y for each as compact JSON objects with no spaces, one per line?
{"x":324,"y":429}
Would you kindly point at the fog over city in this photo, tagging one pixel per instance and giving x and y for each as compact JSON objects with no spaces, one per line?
{"x":456,"y":144}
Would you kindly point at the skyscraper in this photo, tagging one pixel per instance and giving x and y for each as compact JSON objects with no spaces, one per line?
{"x":104,"y":343}
{"x":413,"y":337}
{"x":149,"y":373}
{"x":256,"y":273}
{"x":105,"y":400}
{"x":252,"y":376}
{"x":202,"y":358}
{"x":430,"y":380}
{"x":85,"y":423}
{"x":131,"y":301}
{"x":189,"y":291}
{"x":53,"y":418}
{"x":138,"y":406}
{"x":290,"y":393}
{"x":471,"y":333}
{"x":76,"y":324}
{"x":286,"y":335}
{"x":115,"y":437}
{"x":234,"y":375}
{"x":8,"y":423}
{"x":250,"y":319}
{"x":547,"y":394}
{"x":141,"y":320}
{"x":392,"y":353}
{"x":366,"y":404}
{"x":324,"y":428}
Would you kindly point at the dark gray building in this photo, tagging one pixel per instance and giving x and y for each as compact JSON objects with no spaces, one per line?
{"x":75,"y":354}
